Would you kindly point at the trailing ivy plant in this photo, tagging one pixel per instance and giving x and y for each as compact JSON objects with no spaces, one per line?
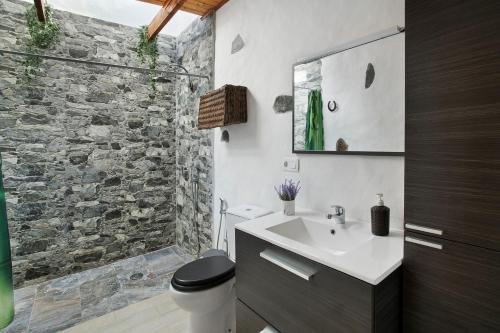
{"x":42,"y":35}
{"x":147,"y":51}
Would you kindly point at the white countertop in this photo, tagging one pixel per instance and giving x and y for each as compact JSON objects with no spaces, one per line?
{"x":372,"y":261}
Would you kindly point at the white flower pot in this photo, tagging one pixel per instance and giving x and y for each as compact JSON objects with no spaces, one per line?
{"x":289,"y":207}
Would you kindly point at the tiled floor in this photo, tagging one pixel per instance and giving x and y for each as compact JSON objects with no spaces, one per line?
{"x":157,"y":314}
{"x":62,"y":303}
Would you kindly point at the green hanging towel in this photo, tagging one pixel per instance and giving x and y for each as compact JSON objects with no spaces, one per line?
{"x":6,"y":290}
{"x":314,"y":122}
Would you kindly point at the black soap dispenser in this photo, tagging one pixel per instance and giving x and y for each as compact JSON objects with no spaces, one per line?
{"x":380,"y":218}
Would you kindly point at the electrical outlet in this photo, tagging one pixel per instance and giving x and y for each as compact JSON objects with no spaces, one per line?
{"x":291,"y":164}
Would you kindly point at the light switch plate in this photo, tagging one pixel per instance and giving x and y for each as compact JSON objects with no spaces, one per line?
{"x":291,"y":164}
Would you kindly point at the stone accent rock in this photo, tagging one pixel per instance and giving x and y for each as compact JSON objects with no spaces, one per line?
{"x":89,"y":158}
{"x":78,"y":53}
{"x":283,"y":103}
{"x":342,"y":145}
{"x":237,"y":44}
{"x":196,"y":51}
{"x":224,"y":136}
{"x":370,"y":75}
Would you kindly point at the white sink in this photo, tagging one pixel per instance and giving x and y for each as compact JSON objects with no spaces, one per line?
{"x":351,"y":249}
{"x":337,"y":239}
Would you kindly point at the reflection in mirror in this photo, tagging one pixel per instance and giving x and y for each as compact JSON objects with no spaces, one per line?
{"x":352,"y":101}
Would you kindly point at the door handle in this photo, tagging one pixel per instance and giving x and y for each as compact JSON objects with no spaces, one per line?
{"x":423,"y":229}
{"x":289,"y":264}
{"x":424,"y":243}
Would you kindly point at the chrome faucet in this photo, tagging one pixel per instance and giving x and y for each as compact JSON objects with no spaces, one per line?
{"x":337,"y":214}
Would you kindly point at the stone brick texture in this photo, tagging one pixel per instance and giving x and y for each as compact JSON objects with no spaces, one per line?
{"x":90,"y":159}
{"x":196,"y":52}
{"x":313,"y":81}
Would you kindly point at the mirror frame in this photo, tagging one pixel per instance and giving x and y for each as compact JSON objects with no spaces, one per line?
{"x":359,"y":42}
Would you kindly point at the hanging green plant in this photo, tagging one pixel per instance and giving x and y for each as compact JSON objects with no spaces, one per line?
{"x":42,"y":35}
{"x":147,"y":51}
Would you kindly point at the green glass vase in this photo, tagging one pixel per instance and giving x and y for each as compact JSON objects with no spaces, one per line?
{"x":6,"y":285}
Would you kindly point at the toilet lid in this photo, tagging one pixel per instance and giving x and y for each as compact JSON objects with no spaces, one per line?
{"x":204,"y":273}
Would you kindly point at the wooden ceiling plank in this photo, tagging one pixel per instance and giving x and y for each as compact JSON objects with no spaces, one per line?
{"x":164,"y":15}
{"x":192,"y":11}
{"x":40,"y":10}
{"x":214,"y":9}
{"x":210,"y":3}
{"x":154,"y":2}
{"x":199,"y":5}
{"x":196,"y":8}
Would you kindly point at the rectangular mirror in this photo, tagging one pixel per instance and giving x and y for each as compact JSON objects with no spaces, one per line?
{"x":352,"y":101}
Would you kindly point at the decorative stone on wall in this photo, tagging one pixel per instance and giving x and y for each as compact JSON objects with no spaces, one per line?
{"x":237,"y":44}
{"x":283,"y":103}
{"x":370,"y":75}
{"x":89,"y":158}
{"x":196,"y":50}
{"x":313,"y":79}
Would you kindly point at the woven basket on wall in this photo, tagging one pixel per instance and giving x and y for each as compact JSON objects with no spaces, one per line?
{"x":224,"y":106}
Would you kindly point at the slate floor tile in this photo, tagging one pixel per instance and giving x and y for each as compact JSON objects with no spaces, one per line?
{"x":57,"y":310}
{"x":24,"y":299}
{"x":64,"y":302}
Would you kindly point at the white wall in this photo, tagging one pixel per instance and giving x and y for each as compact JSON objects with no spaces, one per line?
{"x":278,"y":33}
{"x":370,"y":119}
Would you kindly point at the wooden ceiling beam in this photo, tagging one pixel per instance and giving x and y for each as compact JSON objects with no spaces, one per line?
{"x":198,"y":7}
{"x":165,"y":14}
{"x":40,"y":10}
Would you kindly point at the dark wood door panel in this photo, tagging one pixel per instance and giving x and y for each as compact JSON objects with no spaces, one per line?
{"x":388,"y":304}
{"x":452,"y":165}
{"x":452,"y":52}
{"x":248,"y":321}
{"x":330,"y":301}
{"x":279,"y":296}
{"x":340,"y":303}
{"x":453,"y":78}
{"x":462,"y":134}
{"x":461,"y":199}
{"x":455,"y":289}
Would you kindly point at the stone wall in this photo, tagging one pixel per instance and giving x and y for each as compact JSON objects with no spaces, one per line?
{"x":89,"y":158}
{"x":196,"y":52}
{"x":311,"y":80}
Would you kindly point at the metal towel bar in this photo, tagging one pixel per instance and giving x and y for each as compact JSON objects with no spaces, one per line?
{"x":423,"y":229}
{"x":424,"y":243}
{"x":287,"y":263}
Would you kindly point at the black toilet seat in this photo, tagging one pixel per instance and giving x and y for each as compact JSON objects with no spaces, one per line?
{"x":204,"y":273}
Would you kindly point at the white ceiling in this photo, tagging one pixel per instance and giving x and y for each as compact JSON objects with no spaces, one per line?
{"x":128,"y":12}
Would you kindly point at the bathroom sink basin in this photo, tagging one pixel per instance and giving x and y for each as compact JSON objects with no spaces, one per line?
{"x":336,"y":239}
{"x":349,"y":248}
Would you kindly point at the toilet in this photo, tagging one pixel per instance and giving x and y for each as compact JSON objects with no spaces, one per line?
{"x":205,"y":287}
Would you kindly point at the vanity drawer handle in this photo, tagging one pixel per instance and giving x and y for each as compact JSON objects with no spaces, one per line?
{"x":424,"y":243}
{"x":290,"y":264}
{"x":424,"y":229}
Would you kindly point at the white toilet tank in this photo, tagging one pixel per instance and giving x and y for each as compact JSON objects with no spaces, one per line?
{"x":239,"y":214}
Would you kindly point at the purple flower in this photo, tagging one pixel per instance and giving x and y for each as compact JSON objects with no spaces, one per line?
{"x":288,"y":191}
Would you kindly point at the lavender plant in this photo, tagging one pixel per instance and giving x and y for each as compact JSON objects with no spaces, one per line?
{"x":288,"y":190}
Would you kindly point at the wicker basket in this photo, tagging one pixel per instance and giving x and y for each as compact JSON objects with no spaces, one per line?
{"x":224,"y":106}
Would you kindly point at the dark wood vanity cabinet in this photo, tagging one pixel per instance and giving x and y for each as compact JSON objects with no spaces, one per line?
{"x":247,"y":320}
{"x":452,"y":159}
{"x":330,"y":301}
{"x":452,"y":289}
{"x":452,"y":167}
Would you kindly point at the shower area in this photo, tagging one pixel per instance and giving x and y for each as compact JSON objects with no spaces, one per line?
{"x":108,"y":186}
